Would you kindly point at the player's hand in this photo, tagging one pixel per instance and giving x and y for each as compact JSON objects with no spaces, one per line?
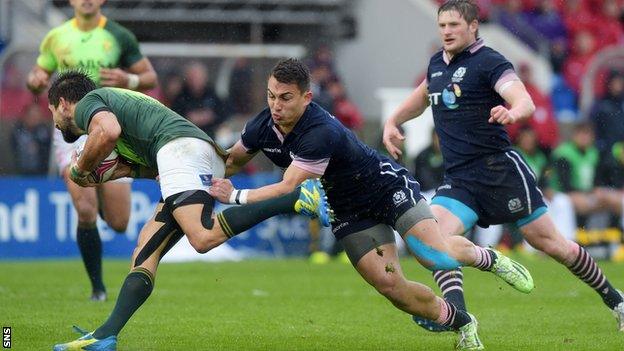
{"x":500,"y":114}
{"x":221,"y":190}
{"x":78,"y":176}
{"x":113,"y":77}
{"x":37,"y":81}
{"x":393,"y":140}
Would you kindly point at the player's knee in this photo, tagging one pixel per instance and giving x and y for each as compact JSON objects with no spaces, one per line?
{"x":431,"y":258}
{"x":118,"y":224}
{"x":86,"y":210}
{"x":203,"y":241}
{"x":389,"y":285}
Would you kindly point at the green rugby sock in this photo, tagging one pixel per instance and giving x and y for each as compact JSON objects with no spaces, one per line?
{"x":135,"y":290}
{"x":237,"y":219}
{"x":90,"y":245}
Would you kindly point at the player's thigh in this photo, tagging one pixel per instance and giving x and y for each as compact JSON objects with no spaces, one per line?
{"x":199,"y":224}
{"x":373,"y":253}
{"x":115,"y":202}
{"x":156,"y":237}
{"x":454,"y":208}
{"x":448,"y":222}
{"x":84,"y":200}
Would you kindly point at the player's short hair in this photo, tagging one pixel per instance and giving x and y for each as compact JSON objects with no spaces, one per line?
{"x":292,"y":71}
{"x":467,"y":9}
{"x":71,"y":85}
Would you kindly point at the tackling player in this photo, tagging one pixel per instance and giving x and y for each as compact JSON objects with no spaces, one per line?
{"x":370,"y":194}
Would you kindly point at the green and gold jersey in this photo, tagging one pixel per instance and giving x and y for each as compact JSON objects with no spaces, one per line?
{"x":109,"y":45}
{"x":146,"y":124}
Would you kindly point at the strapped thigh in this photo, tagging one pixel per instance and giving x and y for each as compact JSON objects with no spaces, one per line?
{"x":191,"y":197}
{"x":170,"y":233}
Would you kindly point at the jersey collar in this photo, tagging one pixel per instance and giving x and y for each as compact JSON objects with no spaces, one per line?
{"x":472,"y":48}
{"x":101,"y":23}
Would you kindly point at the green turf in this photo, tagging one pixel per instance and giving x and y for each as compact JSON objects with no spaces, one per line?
{"x":292,"y":305}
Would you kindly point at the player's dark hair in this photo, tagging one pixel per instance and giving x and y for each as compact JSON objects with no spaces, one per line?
{"x":292,"y":71}
{"x":71,"y":85}
{"x":467,"y":9}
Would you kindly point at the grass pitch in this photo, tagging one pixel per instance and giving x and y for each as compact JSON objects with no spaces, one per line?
{"x":293,"y":305}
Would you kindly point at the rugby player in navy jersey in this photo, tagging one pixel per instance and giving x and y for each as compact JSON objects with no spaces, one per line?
{"x":370,"y":195}
{"x":468,"y":86}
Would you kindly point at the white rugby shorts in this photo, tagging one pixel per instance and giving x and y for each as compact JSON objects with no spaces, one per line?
{"x":187,"y":164}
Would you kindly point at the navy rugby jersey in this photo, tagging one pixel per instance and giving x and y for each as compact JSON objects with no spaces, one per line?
{"x":462,"y":92}
{"x":320,"y":144}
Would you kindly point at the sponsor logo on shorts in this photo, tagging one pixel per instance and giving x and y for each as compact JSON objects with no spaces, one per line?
{"x":206,"y":179}
{"x":399,"y":197}
{"x":273,"y":150}
{"x":515,"y":205}
{"x":339,"y":226}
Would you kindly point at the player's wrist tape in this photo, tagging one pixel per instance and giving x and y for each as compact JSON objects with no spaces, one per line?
{"x":133,"y":81}
{"x":75,"y":172}
{"x":239,"y":197}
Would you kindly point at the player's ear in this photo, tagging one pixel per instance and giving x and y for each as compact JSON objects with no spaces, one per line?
{"x":308,"y":96}
{"x":473,"y":27}
{"x":62,"y":104}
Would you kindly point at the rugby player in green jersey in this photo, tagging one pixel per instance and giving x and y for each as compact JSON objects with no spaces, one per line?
{"x":153,"y":139}
{"x":110,"y":54}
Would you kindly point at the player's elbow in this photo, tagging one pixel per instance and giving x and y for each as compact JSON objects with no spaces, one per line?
{"x":109,"y":138}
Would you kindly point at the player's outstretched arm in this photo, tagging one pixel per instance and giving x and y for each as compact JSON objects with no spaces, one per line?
{"x":38,"y":79}
{"x":237,"y":158}
{"x":224,"y":191}
{"x":140,"y":76}
{"x":520,"y":102}
{"x":411,"y":108}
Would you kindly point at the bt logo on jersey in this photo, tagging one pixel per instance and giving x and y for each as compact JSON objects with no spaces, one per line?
{"x":450,"y":95}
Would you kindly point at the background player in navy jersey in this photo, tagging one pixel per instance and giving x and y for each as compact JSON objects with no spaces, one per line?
{"x":486,"y":182}
{"x":369,"y":193}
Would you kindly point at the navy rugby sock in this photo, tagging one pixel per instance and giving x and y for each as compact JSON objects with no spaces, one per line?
{"x":451,"y":285}
{"x":451,"y":317}
{"x":585,"y":268}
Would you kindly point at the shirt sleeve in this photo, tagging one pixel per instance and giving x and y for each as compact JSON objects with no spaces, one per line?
{"x":131,"y":53}
{"x":499,"y":71}
{"x":86,"y":108}
{"x":250,"y":136}
{"x":46,"y":58}
{"x":315,"y":149}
